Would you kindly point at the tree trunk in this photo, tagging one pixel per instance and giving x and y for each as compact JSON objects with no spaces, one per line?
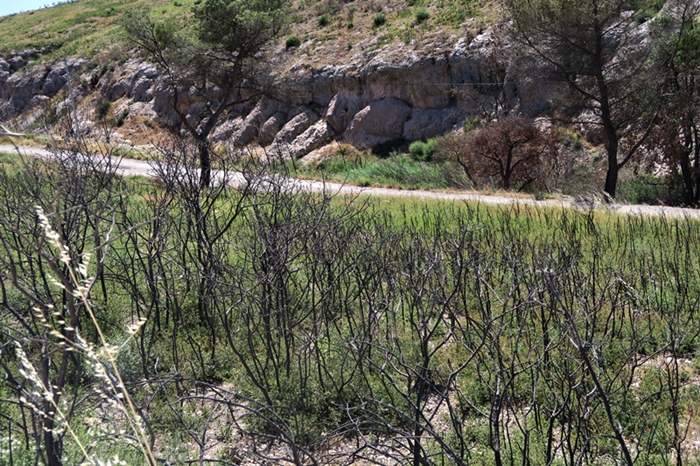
{"x":611,"y":147}
{"x":204,"y":164}
{"x":611,"y":178}
{"x":688,"y":185}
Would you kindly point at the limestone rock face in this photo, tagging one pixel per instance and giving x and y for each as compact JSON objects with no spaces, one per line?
{"x":425,"y":123}
{"x":21,"y":90}
{"x":271,"y":127}
{"x":315,"y":136}
{"x":378,"y":122}
{"x":367,"y":95}
{"x":142,"y":83}
{"x":162,"y":105}
{"x":295,"y":127}
{"x":342,"y":109}
{"x":54,"y":82}
{"x":17,"y":62}
{"x":249,"y":129}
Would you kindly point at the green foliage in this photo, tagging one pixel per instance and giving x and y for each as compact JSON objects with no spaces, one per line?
{"x":472,"y":123}
{"x":222,"y":24}
{"x":650,"y":189}
{"x":119,"y":120}
{"x":397,"y":170}
{"x":292,"y":41}
{"x":422,"y":151}
{"x":454,"y":13}
{"x":571,"y":140}
{"x":422,"y":15}
{"x":316,"y":323}
{"x":103,"y":109}
{"x":644,"y":10}
{"x":378,"y":19}
{"x":323,"y":21}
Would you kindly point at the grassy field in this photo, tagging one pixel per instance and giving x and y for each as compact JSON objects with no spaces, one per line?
{"x":485,"y":332}
{"x":85,"y":28}
{"x":90,"y":27}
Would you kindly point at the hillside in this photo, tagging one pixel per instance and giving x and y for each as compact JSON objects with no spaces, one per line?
{"x":335,"y":39}
{"x":87,"y":27}
{"x":221,"y":311}
{"x":373,"y":75}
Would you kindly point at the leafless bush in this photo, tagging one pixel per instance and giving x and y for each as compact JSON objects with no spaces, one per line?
{"x":511,"y":153}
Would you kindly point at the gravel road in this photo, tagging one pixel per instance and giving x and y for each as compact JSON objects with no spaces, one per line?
{"x":142,"y":168}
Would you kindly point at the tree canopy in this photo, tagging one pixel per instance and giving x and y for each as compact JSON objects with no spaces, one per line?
{"x":677,"y":60}
{"x":596,"y":48}
{"x":211,"y":61}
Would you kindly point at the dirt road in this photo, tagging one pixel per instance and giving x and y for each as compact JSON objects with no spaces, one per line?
{"x":142,"y":168}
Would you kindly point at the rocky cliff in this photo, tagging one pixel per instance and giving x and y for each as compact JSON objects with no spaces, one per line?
{"x":368,"y":95}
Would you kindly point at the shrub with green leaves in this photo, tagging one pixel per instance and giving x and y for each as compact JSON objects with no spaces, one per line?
{"x":323,"y":20}
{"x":378,"y":19}
{"x":103,"y":109}
{"x":422,"y":15}
{"x":119,"y":120}
{"x":422,"y":151}
{"x":292,"y":41}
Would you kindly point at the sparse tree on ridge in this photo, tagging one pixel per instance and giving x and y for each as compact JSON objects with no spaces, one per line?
{"x":212,"y":64}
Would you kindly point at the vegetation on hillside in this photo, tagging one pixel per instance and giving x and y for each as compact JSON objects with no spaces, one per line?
{"x":267,"y":323}
{"x":638,"y":111}
{"x":175,"y":321}
{"x":87,"y":27}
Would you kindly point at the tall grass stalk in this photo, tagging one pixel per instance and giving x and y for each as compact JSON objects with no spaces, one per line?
{"x":120,"y":399}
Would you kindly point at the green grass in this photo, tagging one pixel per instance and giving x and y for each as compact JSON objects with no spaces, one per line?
{"x":322,"y":268}
{"x":89,"y":27}
{"x":395,"y":171}
{"x":82,"y":28}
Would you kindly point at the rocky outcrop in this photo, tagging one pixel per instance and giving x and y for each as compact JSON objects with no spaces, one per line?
{"x":379,"y":122}
{"x":389,"y":94}
{"x":424,"y":123}
{"x":4,"y":70}
{"x":342,"y":109}
{"x":315,"y":136}
{"x":271,"y":128}
{"x":296,"y":126}
{"x":377,"y":95}
{"x":23,"y":91}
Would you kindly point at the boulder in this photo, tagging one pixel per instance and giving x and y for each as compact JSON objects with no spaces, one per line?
{"x":428,"y":122}
{"x":37,"y":100}
{"x":250,"y":127}
{"x":315,"y":136}
{"x":142,"y":83}
{"x":342,"y":109}
{"x":17,"y":62}
{"x":142,"y":109}
{"x":54,"y":81}
{"x":225,"y":130}
{"x":142,"y":90}
{"x":379,"y":122}
{"x":117,"y":90}
{"x":4,"y":66}
{"x":20,"y":88}
{"x":271,"y":127}
{"x":295,"y":127}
